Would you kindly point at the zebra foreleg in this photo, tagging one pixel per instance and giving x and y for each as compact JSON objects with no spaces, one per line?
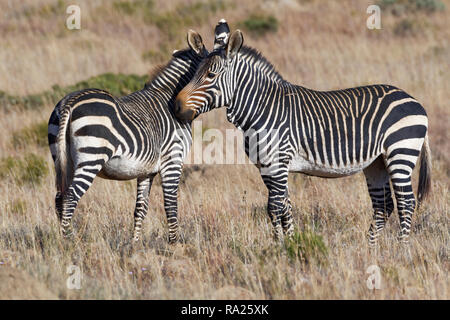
{"x":278,"y":207}
{"x":377,"y":179}
{"x":286,"y":218}
{"x":170,"y":182}
{"x":143,"y":191}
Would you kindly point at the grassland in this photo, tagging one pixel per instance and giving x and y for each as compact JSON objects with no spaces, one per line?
{"x":228,"y":251}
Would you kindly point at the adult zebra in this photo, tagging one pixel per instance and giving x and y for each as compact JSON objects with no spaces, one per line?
{"x":379,"y":129}
{"x":91,"y":133}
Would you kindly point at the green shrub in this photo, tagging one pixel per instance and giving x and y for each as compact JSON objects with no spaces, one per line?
{"x":9,"y":102}
{"x":46,"y":10}
{"x":398,"y":7}
{"x":133,"y":7}
{"x":405,"y":27}
{"x":174,"y":22}
{"x":116,"y":84}
{"x":32,"y":101}
{"x":35,"y":168}
{"x":29,"y":170}
{"x":171,"y":23}
{"x":35,"y":134}
{"x":260,"y":24}
{"x":306,"y":246}
{"x":157,"y":56}
{"x":7,"y":166}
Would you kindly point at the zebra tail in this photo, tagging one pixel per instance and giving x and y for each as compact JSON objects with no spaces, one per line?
{"x":61,"y":166}
{"x":425,"y":172}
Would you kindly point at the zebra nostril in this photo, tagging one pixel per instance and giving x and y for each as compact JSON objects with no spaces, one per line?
{"x":177,"y":106}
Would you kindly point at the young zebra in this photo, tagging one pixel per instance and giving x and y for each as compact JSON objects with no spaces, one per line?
{"x":378,"y":129}
{"x":91,"y":133}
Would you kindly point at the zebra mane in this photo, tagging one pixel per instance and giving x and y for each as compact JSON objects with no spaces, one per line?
{"x":155,"y":71}
{"x":247,"y":51}
{"x":158,"y":69}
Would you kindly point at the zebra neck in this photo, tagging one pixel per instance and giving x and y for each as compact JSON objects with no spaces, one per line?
{"x":253,"y":99}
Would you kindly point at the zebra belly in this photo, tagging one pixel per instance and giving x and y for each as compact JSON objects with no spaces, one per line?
{"x":300,"y":164}
{"x":123,"y":168}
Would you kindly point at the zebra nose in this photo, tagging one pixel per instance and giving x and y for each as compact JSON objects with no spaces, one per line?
{"x":182,"y":112}
{"x":177,"y":106}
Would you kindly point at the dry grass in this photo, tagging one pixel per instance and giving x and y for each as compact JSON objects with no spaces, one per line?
{"x":228,"y":251}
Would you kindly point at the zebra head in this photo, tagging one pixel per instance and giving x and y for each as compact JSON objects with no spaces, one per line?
{"x":213,"y":84}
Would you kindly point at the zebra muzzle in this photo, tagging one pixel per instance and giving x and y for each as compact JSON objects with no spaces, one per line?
{"x":182,"y":113}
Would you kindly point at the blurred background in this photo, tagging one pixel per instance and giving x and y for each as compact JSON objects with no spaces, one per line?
{"x":318,"y":44}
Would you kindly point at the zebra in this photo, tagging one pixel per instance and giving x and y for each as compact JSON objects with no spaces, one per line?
{"x":92,"y":133}
{"x":377,"y":129}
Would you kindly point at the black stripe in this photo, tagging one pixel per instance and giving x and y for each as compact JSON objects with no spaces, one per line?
{"x":415,"y":131}
{"x":405,"y":151}
{"x":97,"y":150}
{"x":402,"y":162}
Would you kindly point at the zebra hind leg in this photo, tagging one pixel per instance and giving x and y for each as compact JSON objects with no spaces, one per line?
{"x":59,"y":205}
{"x":400,"y":166}
{"x":53,"y":128}
{"x":406,"y":205}
{"x":82,"y":180}
{"x":377,"y":179}
{"x":143,"y":191}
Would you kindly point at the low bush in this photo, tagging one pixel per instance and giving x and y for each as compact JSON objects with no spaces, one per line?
{"x":399,"y":7}
{"x":116,"y":84}
{"x":306,"y":246}
{"x":29,"y":170}
{"x":35,"y":134}
{"x":405,"y":27}
{"x":260,"y":24}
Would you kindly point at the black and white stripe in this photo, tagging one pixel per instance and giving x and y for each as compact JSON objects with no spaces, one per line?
{"x":92,"y":133}
{"x":377,"y":129}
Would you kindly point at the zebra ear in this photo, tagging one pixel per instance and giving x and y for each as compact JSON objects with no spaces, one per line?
{"x":234,"y":44}
{"x":221,"y":34}
{"x":195,"y":42}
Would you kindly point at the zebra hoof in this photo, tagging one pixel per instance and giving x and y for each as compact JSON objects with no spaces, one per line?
{"x":127,"y":249}
{"x":174,"y":238}
{"x":67,"y":234}
{"x":132,"y":246}
{"x":404,"y":239}
{"x":174,"y":241}
{"x":288,"y":231}
{"x":372,"y":244}
{"x":278,"y":235}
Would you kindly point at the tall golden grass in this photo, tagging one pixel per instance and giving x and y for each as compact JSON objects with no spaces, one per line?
{"x":228,"y":251}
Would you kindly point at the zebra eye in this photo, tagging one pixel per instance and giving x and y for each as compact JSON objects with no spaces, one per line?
{"x":211,"y":75}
